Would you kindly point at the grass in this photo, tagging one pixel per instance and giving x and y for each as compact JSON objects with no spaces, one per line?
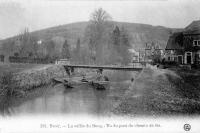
{"x":16,"y":67}
{"x":7,"y":83}
{"x":9,"y":87}
{"x":162,"y":92}
{"x":7,"y":71}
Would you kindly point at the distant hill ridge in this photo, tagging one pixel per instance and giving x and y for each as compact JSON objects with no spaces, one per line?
{"x":140,"y":33}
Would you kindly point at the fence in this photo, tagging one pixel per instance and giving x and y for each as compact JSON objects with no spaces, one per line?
{"x":30,"y":60}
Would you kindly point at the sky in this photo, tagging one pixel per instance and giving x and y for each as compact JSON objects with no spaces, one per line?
{"x":15,"y":15}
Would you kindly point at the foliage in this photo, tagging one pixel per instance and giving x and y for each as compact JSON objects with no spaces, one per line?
{"x":120,"y":45}
{"x":65,"y":50}
{"x":7,"y":83}
{"x":125,"y":45}
{"x":8,"y":46}
{"x":116,"y":36}
{"x":96,"y":34}
{"x":50,"y":48}
{"x":27,"y":44}
{"x":155,"y":53}
{"x":77,"y":51}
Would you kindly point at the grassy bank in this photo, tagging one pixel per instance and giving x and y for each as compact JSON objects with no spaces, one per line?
{"x":162,"y":92}
{"x":17,"y":67}
{"x":17,"y":80}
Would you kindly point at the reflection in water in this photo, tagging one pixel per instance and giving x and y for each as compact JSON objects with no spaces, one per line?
{"x":81,"y":99}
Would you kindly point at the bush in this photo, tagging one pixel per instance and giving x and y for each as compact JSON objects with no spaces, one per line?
{"x":8,"y":84}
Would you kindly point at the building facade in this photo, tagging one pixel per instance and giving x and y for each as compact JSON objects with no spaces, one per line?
{"x":184,"y":47}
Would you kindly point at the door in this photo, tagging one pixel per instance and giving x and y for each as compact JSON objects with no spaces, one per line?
{"x":189,"y":58}
{"x":180,"y":59}
{"x":1,"y":58}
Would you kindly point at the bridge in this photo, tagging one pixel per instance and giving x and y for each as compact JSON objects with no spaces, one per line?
{"x":124,"y":68}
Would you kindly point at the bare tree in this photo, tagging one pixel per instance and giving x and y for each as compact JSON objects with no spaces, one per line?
{"x":28,"y":44}
{"x":100,"y":16}
{"x":95,"y":32}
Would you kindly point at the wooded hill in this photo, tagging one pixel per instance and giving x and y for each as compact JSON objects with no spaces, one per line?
{"x":140,"y":33}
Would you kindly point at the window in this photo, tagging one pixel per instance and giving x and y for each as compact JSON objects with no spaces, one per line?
{"x":196,"y":43}
{"x":176,"y":59}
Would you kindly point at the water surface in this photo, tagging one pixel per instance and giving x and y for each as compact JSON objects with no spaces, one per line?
{"x":82,"y":99}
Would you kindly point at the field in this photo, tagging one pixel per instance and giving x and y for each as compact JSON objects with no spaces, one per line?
{"x":17,"y":67}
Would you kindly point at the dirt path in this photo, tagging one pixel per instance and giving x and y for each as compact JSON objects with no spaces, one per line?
{"x":158,"y":92}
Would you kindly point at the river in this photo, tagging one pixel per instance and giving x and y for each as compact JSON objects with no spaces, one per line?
{"x":82,"y":99}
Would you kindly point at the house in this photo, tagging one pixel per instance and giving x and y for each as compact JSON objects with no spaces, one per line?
{"x":134,"y":54}
{"x":184,"y":47}
{"x":153,"y":52}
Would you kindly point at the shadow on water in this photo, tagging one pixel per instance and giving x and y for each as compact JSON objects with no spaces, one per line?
{"x":83,"y":99}
{"x":5,"y":106}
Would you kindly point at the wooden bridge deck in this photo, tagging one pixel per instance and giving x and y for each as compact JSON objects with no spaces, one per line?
{"x":125,"y":68}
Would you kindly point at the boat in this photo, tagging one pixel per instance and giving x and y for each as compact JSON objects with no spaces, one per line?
{"x":57,"y":80}
{"x":100,"y":85}
{"x":65,"y":82}
{"x":69,"y":83}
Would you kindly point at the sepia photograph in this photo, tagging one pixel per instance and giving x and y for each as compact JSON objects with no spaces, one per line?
{"x":99,"y":66}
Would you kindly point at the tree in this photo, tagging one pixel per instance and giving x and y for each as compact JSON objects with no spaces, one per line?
{"x":100,"y":16}
{"x":124,"y":46}
{"x":155,"y":53}
{"x":95,"y":33}
{"x":77,"y":51}
{"x":50,"y":49}
{"x":65,"y":50}
{"x":120,"y":45}
{"x":125,"y":37}
{"x":116,"y":37}
{"x":115,"y":46}
{"x":28,"y":44}
{"x":8,"y":46}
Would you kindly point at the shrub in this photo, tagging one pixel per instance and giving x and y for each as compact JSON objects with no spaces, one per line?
{"x":8,"y":84}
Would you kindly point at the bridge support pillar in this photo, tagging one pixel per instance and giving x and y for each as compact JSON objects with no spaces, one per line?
{"x":69,"y":70}
{"x":100,"y":71}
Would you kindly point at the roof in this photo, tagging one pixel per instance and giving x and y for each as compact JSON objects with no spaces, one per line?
{"x":172,"y":43}
{"x":175,"y":41}
{"x":193,"y":28}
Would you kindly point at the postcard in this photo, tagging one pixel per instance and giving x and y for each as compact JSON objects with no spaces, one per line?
{"x":71,"y":66}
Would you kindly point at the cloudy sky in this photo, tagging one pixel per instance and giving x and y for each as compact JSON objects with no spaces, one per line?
{"x":15,"y":15}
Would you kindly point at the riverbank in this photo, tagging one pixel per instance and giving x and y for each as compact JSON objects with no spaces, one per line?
{"x":28,"y":75}
{"x":152,"y":92}
{"x":17,"y":80}
{"x":157,"y":92}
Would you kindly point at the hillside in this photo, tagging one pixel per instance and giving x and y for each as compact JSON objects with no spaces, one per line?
{"x":140,"y":33}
